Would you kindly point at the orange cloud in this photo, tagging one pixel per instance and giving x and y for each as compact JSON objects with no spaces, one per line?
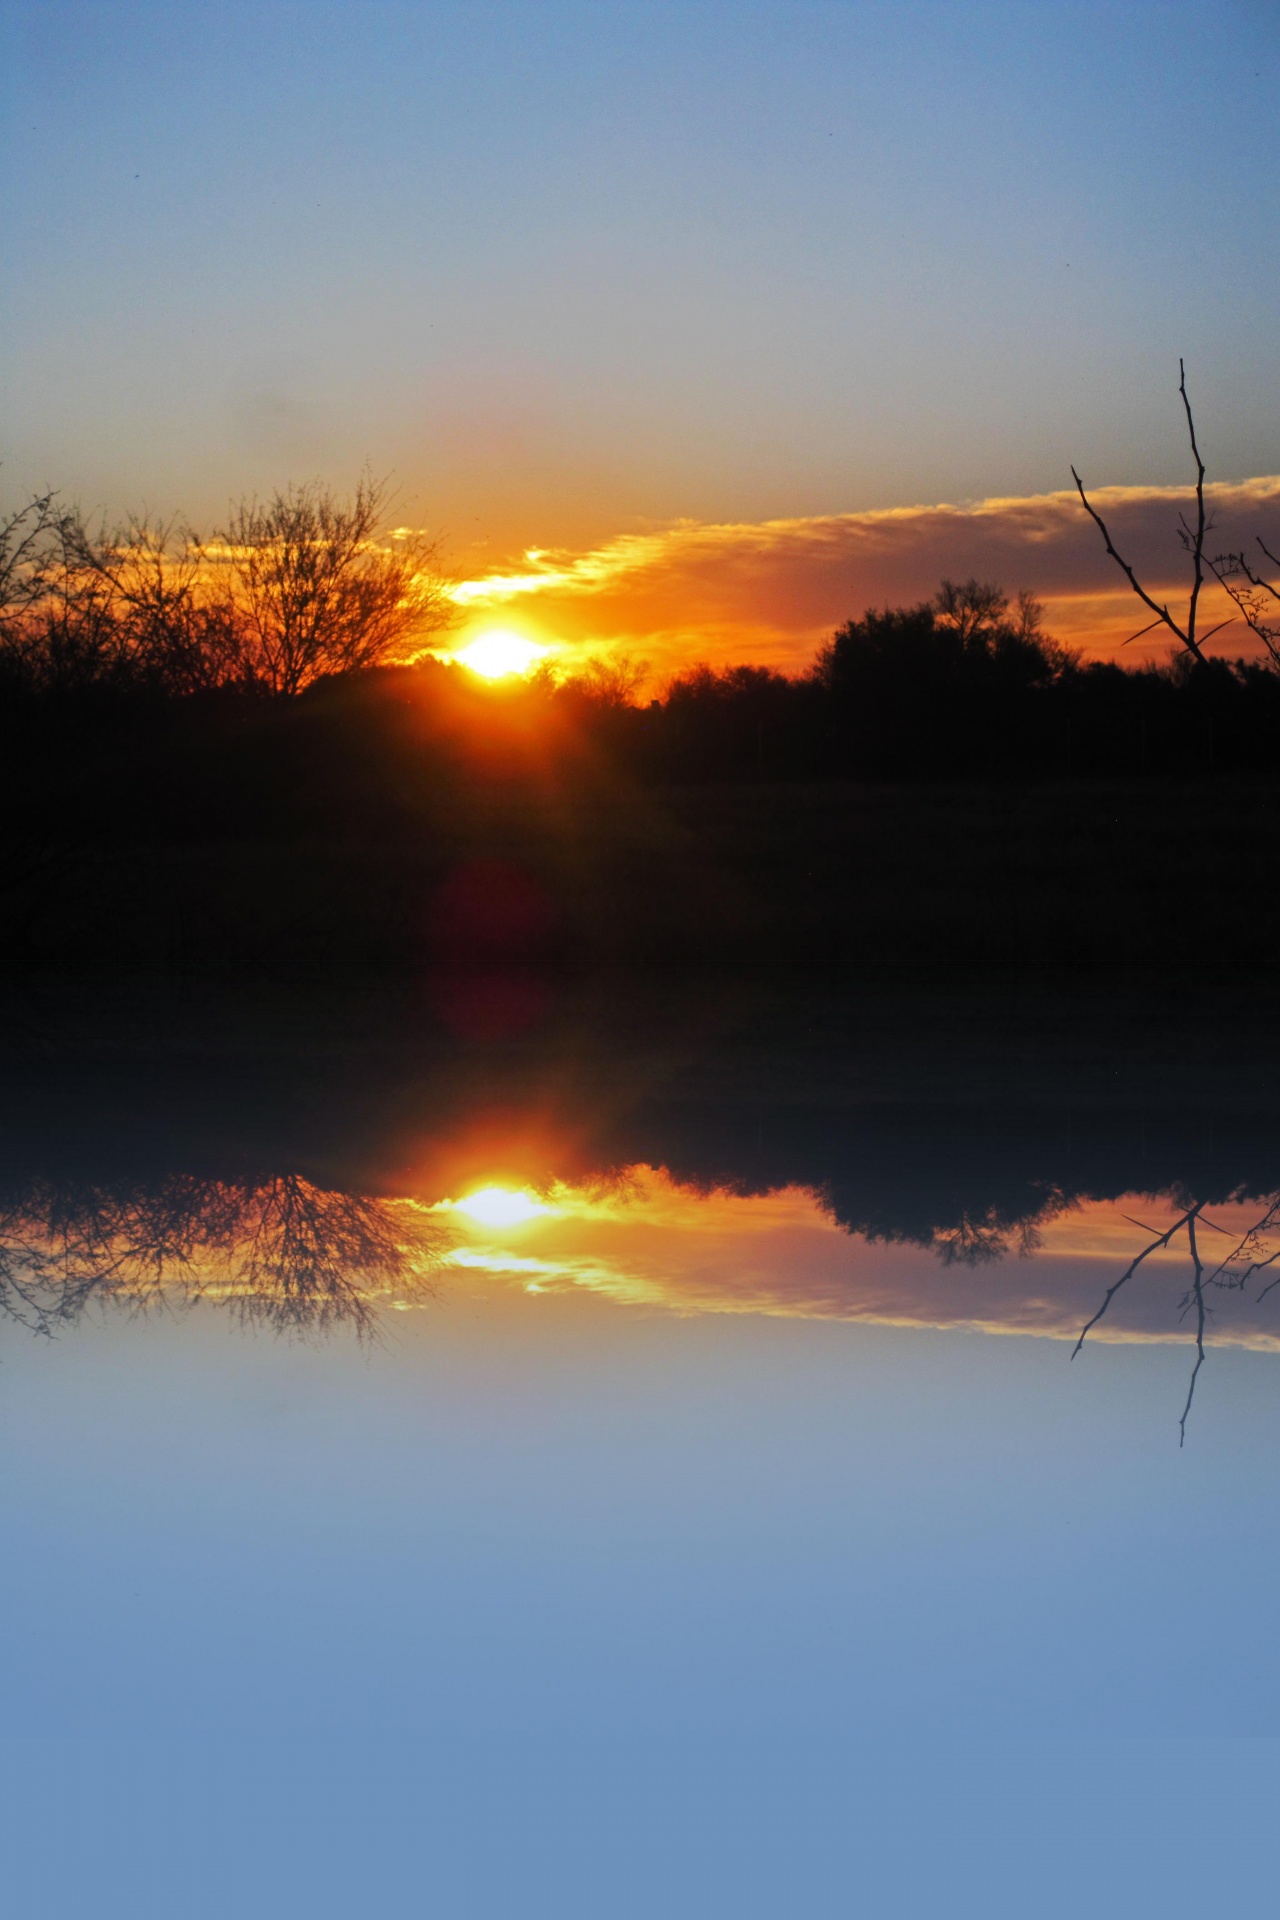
{"x":648,"y":1241}
{"x":773,"y":591}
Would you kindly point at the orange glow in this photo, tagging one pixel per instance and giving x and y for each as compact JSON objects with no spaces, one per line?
{"x":770,"y":593}
{"x":641,"y":1239}
{"x":499,"y":1207}
{"x":499,"y":653}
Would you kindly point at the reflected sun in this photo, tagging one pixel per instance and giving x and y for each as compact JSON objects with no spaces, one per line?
{"x":499,"y":1207}
{"x":498,"y":653}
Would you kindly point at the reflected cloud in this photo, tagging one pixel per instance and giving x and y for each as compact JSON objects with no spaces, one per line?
{"x":786,"y":1253}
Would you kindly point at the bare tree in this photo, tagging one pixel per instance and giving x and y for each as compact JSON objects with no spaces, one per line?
{"x":1192,"y":538}
{"x":312,"y":590}
{"x":131,"y":604}
{"x":92,"y":606}
{"x":302,"y":586}
{"x":152,"y":580}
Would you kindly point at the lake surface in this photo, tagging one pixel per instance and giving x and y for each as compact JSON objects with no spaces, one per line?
{"x":523,"y":1376}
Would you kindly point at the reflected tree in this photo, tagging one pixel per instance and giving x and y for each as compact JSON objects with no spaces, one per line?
{"x":282,"y":1253}
{"x":975,"y":1240}
{"x":962,"y":1228}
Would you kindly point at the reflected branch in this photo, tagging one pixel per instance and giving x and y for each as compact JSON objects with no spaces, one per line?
{"x":1161,"y":1240}
{"x":1260,"y":1266}
{"x":1197,"y":1288}
{"x":1253,"y":1248}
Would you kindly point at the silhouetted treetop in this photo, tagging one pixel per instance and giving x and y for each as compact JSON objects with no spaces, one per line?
{"x":967,"y":635}
{"x":310,"y":591}
{"x":289,"y":591}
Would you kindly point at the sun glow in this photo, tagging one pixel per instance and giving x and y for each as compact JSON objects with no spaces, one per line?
{"x":500,"y":1207}
{"x":498,"y":653}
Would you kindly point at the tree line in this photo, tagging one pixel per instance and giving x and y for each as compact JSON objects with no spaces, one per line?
{"x":967,"y":683}
{"x":280,"y":654}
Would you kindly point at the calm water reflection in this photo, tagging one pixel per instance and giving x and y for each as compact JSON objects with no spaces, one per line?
{"x":304,"y":1186}
{"x":646,"y":1356}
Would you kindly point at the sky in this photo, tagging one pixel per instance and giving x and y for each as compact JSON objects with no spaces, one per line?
{"x":574,"y":275}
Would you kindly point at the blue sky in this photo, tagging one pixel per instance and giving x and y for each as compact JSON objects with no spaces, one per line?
{"x":566,"y":270}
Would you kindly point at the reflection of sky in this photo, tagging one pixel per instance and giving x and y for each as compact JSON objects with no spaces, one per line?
{"x":644,"y":1239}
{"x":570,"y":1565}
{"x":531,"y":1510}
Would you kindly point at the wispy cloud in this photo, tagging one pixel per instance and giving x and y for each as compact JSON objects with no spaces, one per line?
{"x":773,"y":590}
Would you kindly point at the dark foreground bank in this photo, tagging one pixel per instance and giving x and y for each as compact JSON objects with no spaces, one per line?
{"x":1020,"y":877}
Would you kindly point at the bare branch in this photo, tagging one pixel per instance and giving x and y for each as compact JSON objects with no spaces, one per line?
{"x":1193,"y":540}
{"x":1253,"y":599}
{"x":1161,"y":1240}
{"x":1163,"y":615}
{"x":1197,"y":551}
{"x":1141,"y":630}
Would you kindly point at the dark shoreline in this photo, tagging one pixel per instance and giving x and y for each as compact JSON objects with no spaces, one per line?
{"x":934,"y":881}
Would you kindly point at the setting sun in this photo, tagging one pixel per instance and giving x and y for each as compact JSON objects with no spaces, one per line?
{"x":498,"y":653}
{"x":500,"y":1207}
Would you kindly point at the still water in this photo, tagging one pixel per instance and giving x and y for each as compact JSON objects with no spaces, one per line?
{"x":586,"y":1374}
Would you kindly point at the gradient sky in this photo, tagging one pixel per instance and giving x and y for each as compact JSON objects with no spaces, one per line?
{"x":570,"y":272}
